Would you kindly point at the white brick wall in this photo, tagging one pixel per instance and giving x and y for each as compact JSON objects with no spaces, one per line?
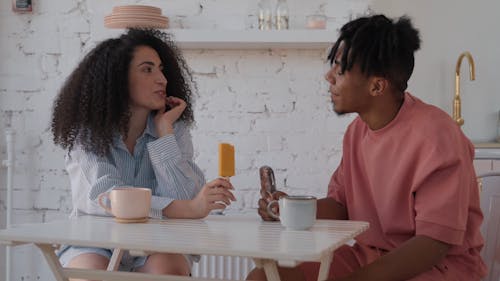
{"x":272,"y":104}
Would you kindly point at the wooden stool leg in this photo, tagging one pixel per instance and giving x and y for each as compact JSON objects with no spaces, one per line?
{"x":115,"y":260}
{"x":270,"y":268}
{"x":324,"y":268}
{"x":53,"y":261}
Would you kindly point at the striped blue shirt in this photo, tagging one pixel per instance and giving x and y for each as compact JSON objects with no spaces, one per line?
{"x":165,"y":165}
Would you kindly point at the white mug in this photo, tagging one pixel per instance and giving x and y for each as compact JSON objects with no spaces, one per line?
{"x":128,"y":204}
{"x":295,"y":212}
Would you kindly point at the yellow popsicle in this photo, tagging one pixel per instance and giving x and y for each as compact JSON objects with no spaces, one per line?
{"x":226,"y":160}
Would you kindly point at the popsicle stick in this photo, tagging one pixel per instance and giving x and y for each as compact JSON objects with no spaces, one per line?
{"x":221,"y":212}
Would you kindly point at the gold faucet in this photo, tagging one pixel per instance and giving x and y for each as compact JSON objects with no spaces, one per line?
{"x":456,"y":101}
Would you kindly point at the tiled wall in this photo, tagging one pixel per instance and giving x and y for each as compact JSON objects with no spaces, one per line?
{"x":272,"y":104}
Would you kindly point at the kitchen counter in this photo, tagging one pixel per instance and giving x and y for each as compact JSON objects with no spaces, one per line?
{"x":489,"y":150}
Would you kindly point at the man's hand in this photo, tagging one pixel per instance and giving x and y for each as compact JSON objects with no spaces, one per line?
{"x":266,"y":198}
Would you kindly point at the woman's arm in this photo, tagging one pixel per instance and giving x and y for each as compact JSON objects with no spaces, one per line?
{"x":176,"y":173}
{"x":179,"y":177}
{"x":91,"y":175}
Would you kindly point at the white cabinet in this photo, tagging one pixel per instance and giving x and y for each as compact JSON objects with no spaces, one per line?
{"x":487,"y":158}
{"x":495,"y":166}
{"x":490,"y":228}
{"x":485,"y":166}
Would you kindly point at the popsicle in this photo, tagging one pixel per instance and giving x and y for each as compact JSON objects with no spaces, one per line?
{"x":226,"y":160}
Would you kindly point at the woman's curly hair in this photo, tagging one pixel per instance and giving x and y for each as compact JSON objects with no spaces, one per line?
{"x":93,"y":104}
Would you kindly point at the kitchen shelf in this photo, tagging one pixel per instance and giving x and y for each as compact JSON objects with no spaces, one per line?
{"x":253,"y":39}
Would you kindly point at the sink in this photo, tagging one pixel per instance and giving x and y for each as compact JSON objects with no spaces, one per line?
{"x":487,"y":150}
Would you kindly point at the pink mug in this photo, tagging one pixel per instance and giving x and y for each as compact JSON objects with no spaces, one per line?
{"x":127,"y":203}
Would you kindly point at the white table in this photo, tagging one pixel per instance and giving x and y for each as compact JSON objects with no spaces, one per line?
{"x":266,"y":242}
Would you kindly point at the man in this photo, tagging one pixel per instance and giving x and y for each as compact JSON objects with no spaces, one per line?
{"x":406,"y":168}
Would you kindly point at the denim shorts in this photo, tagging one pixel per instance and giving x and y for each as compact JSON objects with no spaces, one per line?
{"x":128,"y":262}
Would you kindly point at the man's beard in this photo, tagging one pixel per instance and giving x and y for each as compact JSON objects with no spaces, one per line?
{"x":338,"y":112}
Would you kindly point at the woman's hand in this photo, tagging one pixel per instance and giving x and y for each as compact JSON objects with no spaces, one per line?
{"x":264,"y":200}
{"x":164,"y":120}
{"x":214,"y":195}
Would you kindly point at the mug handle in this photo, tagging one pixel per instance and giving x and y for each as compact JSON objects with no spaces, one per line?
{"x":270,"y":210}
{"x":99,"y":200}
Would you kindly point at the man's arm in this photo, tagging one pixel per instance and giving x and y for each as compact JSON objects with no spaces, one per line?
{"x":413,"y":257}
{"x":328,"y":208}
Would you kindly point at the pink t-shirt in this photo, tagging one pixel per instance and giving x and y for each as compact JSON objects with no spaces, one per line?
{"x":413,"y":177}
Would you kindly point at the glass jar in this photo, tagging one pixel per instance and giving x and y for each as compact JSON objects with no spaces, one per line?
{"x":281,"y":15}
{"x":265,"y":15}
{"x":316,"y":22}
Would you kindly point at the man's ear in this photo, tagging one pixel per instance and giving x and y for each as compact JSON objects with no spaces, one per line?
{"x":378,"y":86}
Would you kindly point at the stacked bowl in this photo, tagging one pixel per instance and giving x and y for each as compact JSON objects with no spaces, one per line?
{"x":136,"y":16}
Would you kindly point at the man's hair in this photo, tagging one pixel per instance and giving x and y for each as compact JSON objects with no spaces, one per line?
{"x":93,"y":104}
{"x":380,"y":47}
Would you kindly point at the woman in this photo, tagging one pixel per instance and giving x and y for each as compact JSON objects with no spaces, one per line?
{"x":124,"y":116}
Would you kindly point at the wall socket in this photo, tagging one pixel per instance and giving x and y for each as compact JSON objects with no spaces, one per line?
{"x":22,"y":6}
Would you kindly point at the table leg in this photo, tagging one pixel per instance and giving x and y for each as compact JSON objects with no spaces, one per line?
{"x":53,"y":261}
{"x":270,"y":268}
{"x":324,"y":268}
{"x":115,"y":260}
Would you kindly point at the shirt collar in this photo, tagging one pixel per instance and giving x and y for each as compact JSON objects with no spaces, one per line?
{"x":150,"y":126}
{"x":149,"y":130}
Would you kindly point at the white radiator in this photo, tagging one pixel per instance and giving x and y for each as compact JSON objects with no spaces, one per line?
{"x":223,"y":267}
